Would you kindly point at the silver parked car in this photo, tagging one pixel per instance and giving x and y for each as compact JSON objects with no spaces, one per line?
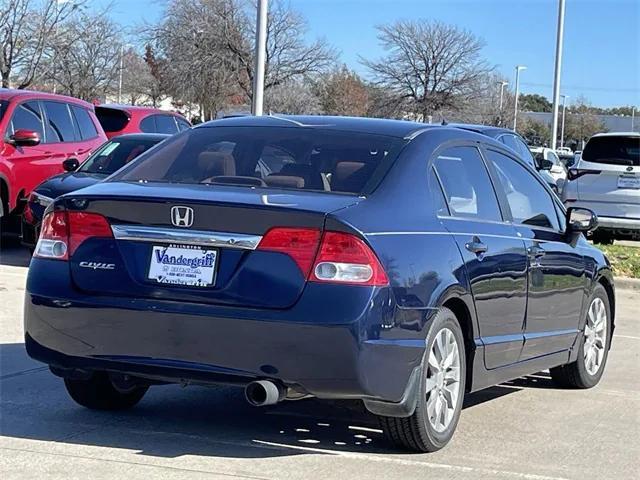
{"x":606,"y":179}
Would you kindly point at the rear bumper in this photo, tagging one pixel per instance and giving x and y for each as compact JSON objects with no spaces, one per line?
{"x":619,"y":223}
{"x":328,"y":345}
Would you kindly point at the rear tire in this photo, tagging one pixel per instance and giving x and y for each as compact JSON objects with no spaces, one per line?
{"x":99,"y":393}
{"x":602,"y":237}
{"x":441,"y":391}
{"x":593,"y":351}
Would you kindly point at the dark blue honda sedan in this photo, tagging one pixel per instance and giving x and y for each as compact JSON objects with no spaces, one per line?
{"x":397,"y":263}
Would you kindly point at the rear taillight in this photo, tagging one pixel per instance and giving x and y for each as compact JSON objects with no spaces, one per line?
{"x":345,"y":258}
{"x":63,"y":232}
{"x":337,"y":257}
{"x":574,"y":173}
{"x":301,"y":244}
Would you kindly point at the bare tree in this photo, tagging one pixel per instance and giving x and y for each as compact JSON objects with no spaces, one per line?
{"x":88,"y":60}
{"x":28,"y":28}
{"x":293,"y":97}
{"x":207,"y":49}
{"x":430,"y":66}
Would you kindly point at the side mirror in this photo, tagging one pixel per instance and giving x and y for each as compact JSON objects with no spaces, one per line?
{"x":581,"y":220}
{"x":545,"y":164}
{"x":25,"y":138}
{"x":70,"y":164}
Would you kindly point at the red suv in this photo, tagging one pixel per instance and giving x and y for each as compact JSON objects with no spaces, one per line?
{"x":39,"y":131}
{"x":120,"y":119}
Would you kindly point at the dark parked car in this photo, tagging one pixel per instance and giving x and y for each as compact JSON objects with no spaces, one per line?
{"x":108,"y":158}
{"x":516,"y":143}
{"x":387,"y":261}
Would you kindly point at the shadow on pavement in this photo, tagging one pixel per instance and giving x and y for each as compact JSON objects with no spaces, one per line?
{"x":209,"y":421}
{"x":12,"y":253}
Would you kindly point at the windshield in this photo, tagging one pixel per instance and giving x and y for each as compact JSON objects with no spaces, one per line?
{"x":115,"y":154}
{"x":281,"y":157}
{"x":613,"y":150}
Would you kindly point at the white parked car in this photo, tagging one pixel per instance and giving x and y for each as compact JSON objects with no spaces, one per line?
{"x":558,"y":171}
{"x":606,"y":179}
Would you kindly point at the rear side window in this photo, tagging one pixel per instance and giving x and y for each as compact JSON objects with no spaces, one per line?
{"x":466,"y":184}
{"x":112,"y":119}
{"x":529,"y":201}
{"x":613,"y":150}
{"x":278,"y":157}
{"x":4,"y":104}
{"x":59,"y":125}
{"x":85,"y":124}
{"x":27,"y":116}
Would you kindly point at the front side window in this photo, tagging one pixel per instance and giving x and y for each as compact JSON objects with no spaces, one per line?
{"x":182,"y":124}
{"x":466,"y":184}
{"x":27,"y":116}
{"x":115,"y":154}
{"x":59,"y":124}
{"x":279,"y":157}
{"x":529,"y":201}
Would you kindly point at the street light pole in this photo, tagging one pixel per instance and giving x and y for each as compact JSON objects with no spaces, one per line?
{"x":502,"y":85}
{"x":556,"y":79}
{"x":260,"y":54}
{"x":564,"y":108}
{"x":515,"y":110}
{"x":633,"y":117}
{"x":120,"y":77}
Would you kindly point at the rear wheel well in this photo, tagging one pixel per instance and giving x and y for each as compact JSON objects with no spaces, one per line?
{"x":460,"y":310}
{"x":612,"y":304}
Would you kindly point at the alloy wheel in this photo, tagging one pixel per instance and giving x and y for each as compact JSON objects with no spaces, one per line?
{"x":595,"y":333}
{"x":443,"y":380}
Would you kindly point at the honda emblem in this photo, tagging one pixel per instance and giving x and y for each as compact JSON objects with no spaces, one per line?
{"x":182,"y":216}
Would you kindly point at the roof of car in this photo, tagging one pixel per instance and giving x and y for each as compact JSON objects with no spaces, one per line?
{"x":134,"y":108}
{"x":618,"y":134}
{"x":141,"y":136}
{"x":489,"y":130}
{"x":395,"y":128}
{"x":11,"y":93}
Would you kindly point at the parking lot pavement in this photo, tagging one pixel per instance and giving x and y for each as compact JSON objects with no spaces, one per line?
{"x":526,"y":429}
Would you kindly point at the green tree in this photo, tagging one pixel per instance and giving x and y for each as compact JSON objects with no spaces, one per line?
{"x":536,"y":133}
{"x":534,"y":103}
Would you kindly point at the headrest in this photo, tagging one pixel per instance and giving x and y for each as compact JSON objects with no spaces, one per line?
{"x":345,"y":169}
{"x":214,"y":164}
{"x":287,"y":181}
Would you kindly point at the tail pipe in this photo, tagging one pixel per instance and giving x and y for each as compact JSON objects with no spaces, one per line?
{"x":264,"y":392}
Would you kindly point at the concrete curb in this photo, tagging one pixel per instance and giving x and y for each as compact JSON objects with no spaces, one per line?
{"x":626,"y":283}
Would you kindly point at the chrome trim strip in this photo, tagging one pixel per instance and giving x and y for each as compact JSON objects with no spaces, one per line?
{"x":192,"y":237}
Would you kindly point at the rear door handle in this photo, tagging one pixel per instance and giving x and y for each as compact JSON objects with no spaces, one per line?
{"x":476,"y":246}
{"x":535,"y":251}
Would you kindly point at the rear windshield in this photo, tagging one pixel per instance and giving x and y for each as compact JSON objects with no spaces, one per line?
{"x":111,"y":119}
{"x":613,"y":150}
{"x":280,"y":157}
{"x":115,"y":154}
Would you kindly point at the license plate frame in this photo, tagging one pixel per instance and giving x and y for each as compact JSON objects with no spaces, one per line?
{"x":183,"y":265}
{"x":629,"y":182}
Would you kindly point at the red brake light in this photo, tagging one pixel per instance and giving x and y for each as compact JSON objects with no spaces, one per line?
{"x":84,"y":225}
{"x":62,"y":233}
{"x":300,"y":244}
{"x":345,"y":258}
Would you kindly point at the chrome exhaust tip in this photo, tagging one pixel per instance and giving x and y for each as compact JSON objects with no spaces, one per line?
{"x":264,"y":392}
